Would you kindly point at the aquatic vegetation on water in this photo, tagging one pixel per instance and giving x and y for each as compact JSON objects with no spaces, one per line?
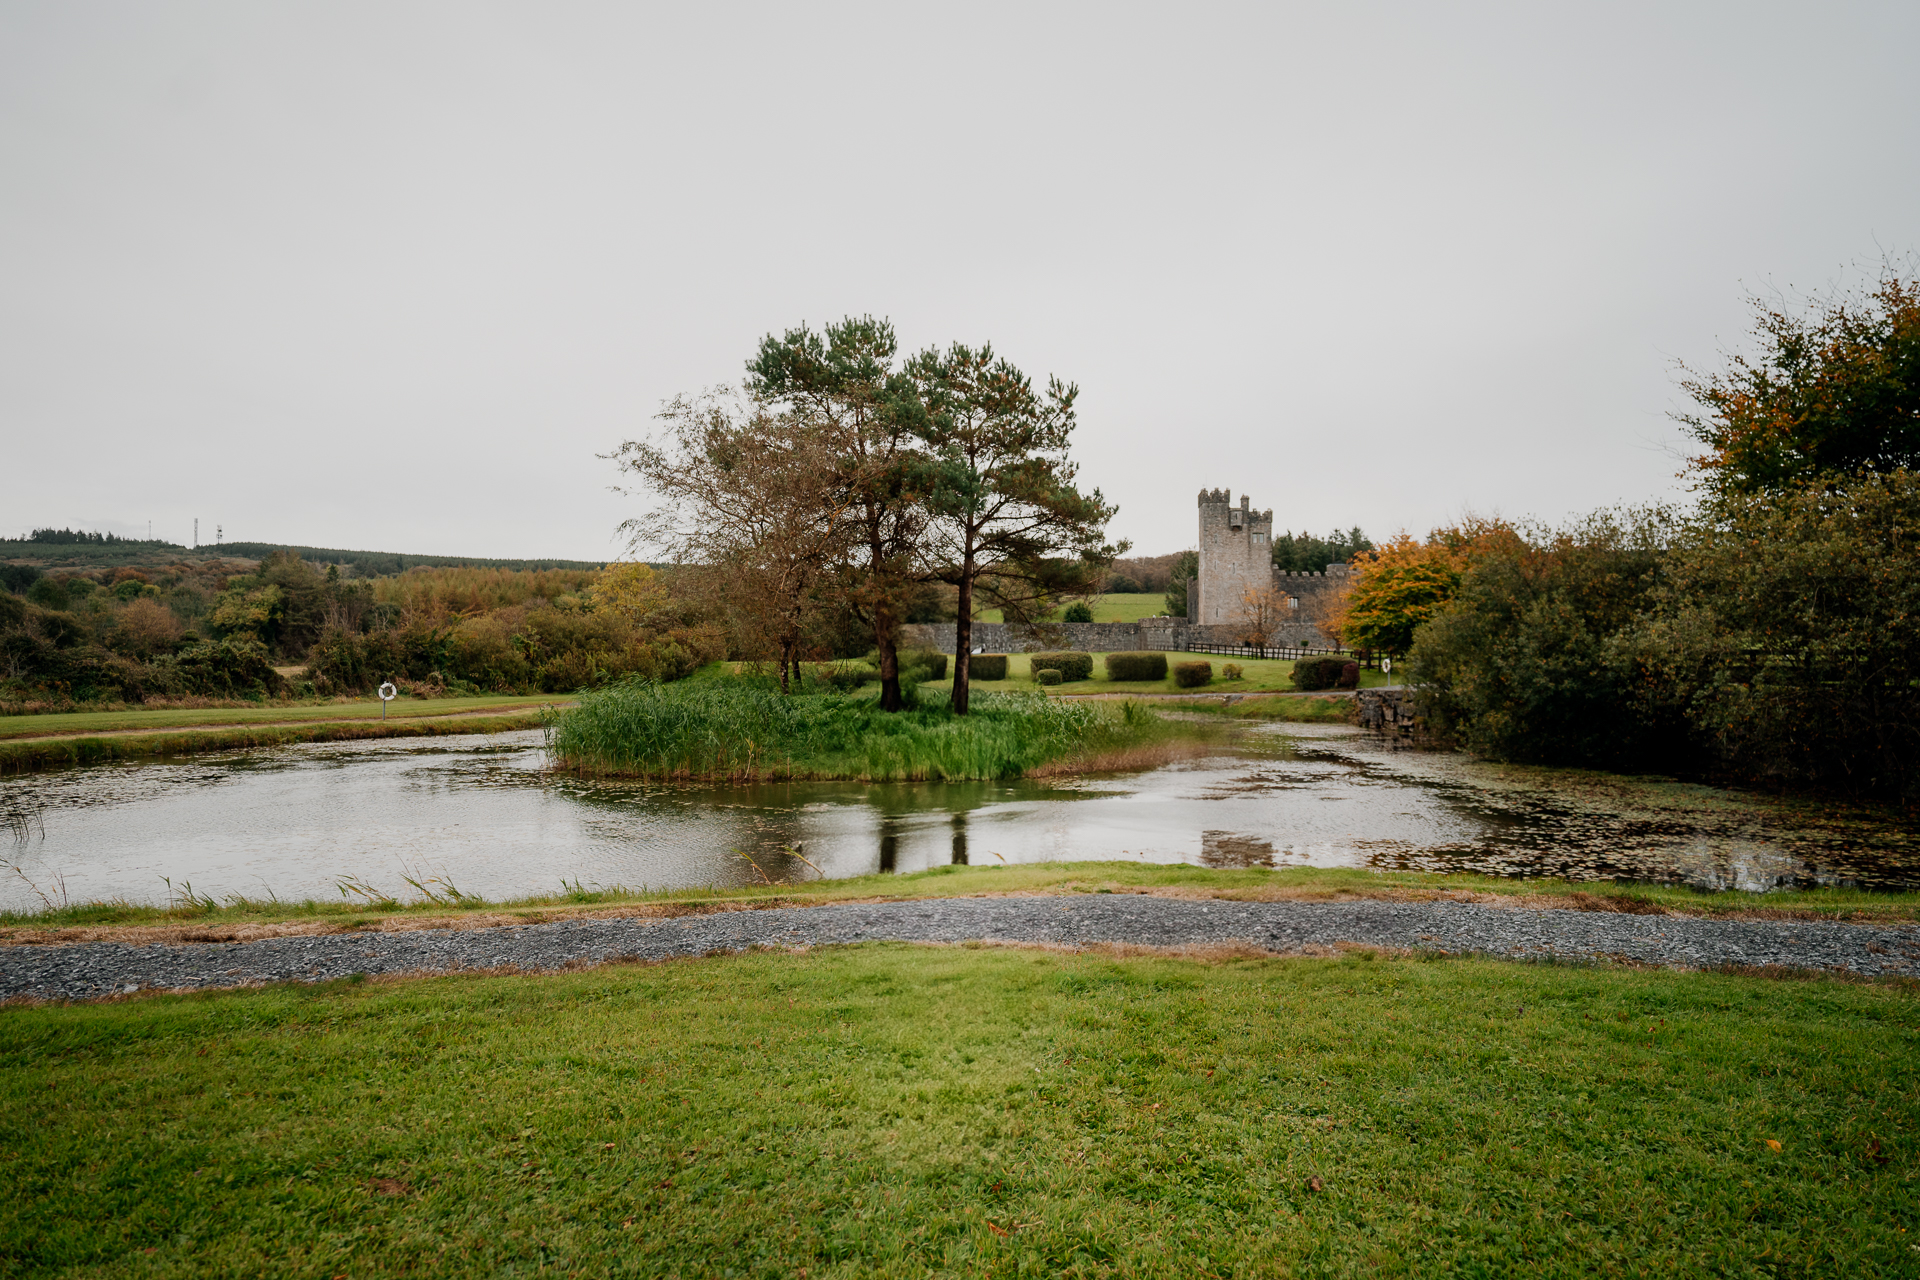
{"x":739,"y":729}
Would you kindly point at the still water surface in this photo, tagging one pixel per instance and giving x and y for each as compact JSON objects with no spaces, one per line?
{"x":479,"y":812}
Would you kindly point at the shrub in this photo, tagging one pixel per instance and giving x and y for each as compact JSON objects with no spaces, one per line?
{"x":18,"y":577}
{"x":1046,"y":675}
{"x":1231,"y":671}
{"x":1191,"y":675}
{"x":1071,"y":666}
{"x":847,"y":676}
{"x":1136,"y":666}
{"x":1318,"y":673}
{"x":236,"y":667}
{"x":932,"y":664}
{"x":1350,"y":675}
{"x":1078,"y":611}
{"x":987,"y":666}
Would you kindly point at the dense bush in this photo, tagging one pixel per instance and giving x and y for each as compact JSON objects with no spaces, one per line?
{"x":1071,"y":666}
{"x":1349,"y":675}
{"x":1046,"y":675}
{"x":1231,"y":671}
{"x":931,"y":663}
{"x":1532,"y":659}
{"x":510,"y":651}
{"x":1136,"y":666}
{"x":1191,"y":675}
{"x":1318,"y":673}
{"x":1078,"y":611}
{"x":236,"y":667}
{"x":987,"y":666}
{"x":17,"y":578}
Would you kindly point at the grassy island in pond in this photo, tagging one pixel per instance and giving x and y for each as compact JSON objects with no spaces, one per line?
{"x":745,"y":729}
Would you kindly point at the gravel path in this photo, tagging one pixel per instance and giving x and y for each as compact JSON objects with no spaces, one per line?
{"x":98,"y":969}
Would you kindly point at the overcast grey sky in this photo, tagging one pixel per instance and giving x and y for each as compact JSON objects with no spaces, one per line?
{"x":391,"y":275}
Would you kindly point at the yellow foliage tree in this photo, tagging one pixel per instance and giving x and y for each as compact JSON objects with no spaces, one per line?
{"x":629,"y":588}
{"x":1399,"y":585}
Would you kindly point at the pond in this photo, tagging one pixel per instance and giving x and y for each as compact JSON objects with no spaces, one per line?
{"x":481,"y":813}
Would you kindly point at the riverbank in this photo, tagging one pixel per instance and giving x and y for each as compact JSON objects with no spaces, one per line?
{"x":28,"y":743}
{"x":912,"y":1110}
{"x":239,"y":919}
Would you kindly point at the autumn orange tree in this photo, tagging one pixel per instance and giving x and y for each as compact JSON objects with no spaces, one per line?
{"x":1402,"y":583}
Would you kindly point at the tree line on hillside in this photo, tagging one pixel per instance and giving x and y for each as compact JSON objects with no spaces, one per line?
{"x":840,"y":484}
{"x":290,"y":627}
{"x":1772,"y":634}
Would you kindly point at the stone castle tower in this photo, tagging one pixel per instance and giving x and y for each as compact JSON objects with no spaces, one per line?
{"x":1236,"y":556}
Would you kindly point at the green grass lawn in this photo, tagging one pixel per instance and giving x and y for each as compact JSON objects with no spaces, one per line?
{"x":1122,"y":607}
{"x":366,"y":709}
{"x":1261,"y":675}
{"x":900,"y":1111}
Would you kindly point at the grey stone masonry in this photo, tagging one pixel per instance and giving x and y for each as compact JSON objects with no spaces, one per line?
{"x":1236,"y":561}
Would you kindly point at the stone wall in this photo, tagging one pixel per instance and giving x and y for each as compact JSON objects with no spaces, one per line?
{"x":1392,"y":714}
{"x":1090,"y":637}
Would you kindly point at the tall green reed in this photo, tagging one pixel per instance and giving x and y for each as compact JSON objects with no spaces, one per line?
{"x":747,"y":729}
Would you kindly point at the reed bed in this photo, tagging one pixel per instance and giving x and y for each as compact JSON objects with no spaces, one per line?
{"x":743,"y":730}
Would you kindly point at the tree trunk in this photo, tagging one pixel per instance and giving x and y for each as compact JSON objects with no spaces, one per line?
{"x":786,"y":654}
{"x":963,"y":641}
{"x":885,"y":640}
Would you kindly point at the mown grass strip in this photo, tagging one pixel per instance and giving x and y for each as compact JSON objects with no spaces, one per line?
{"x":23,"y":755}
{"x":899,"y":1111}
{"x":80,"y":722}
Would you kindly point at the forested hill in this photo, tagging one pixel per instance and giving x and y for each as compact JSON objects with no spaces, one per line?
{"x":364,"y":563}
{"x":371,"y":563}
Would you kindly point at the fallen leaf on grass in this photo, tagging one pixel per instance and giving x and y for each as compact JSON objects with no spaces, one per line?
{"x":1773,"y":1144}
{"x":1314,"y":1184}
{"x":390,"y":1187}
{"x":997,"y":1230}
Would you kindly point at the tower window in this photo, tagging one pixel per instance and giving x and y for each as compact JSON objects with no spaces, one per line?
{"x":1293,"y":602}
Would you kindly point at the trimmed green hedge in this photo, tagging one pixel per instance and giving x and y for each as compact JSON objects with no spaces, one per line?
{"x":987,"y":666}
{"x":1046,"y":675}
{"x":1071,"y":666}
{"x":1191,"y":675}
{"x":1326,"y":673}
{"x":1136,"y":666}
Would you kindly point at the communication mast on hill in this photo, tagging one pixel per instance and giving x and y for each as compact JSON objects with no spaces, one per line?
{"x":196,"y":533}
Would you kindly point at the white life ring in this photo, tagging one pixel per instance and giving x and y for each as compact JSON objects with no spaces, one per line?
{"x":388,"y":693}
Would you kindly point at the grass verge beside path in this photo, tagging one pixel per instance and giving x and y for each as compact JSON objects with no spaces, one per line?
{"x":902,"y":1111}
{"x":88,"y":722}
{"x":238,"y":918}
{"x":23,"y":755}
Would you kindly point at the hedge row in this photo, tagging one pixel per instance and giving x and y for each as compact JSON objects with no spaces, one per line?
{"x":987,"y":666}
{"x":1136,"y":666}
{"x":1326,"y":673}
{"x":1071,"y":666}
{"x":1191,"y":675}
